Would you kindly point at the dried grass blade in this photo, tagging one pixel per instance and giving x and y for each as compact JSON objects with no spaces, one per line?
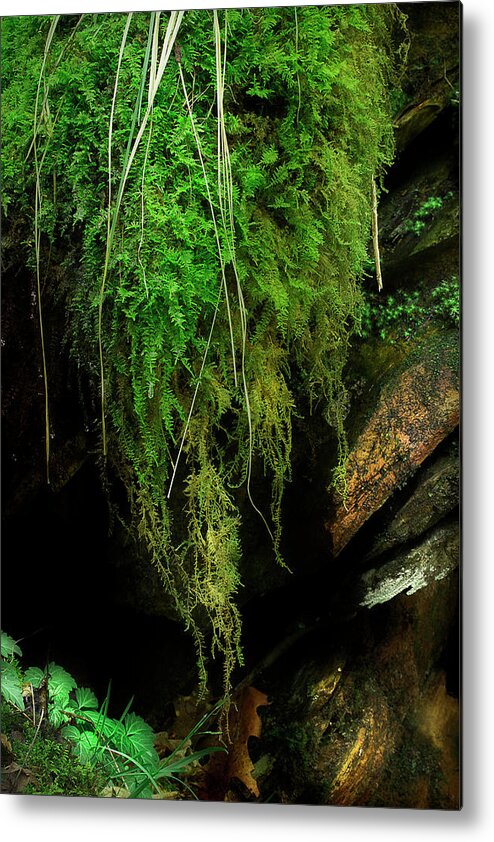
{"x":375,"y":236}
{"x":109,"y":235}
{"x":168,"y":42}
{"x":154,"y":52}
{"x":37,"y":240}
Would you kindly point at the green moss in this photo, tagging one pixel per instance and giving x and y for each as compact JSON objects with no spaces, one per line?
{"x":398,"y":316}
{"x":424,"y":214}
{"x":308,"y":118}
{"x":53,"y":769}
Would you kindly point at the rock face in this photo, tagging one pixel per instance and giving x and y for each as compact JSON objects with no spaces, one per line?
{"x":415,"y":412}
{"x":369,"y":721}
{"x":434,"y":66}
{"x":435,"y":496}
{"x":433,"y":559}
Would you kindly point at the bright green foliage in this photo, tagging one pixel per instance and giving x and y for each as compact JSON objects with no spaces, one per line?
{"x":11,"y":682}
{"x":308,"y":121}
{"x":423,"y":216}
{"x":120,"y":749}
{"x":9,"y":647}
{"x":399,"y":316}
{"x":446,"y":299}
{"x":118,"y":753}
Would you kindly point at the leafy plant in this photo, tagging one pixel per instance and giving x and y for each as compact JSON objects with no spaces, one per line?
{"x":120,"y":752}
{"x":8,"y":646}
{"x":10,"y":672}
{"x":181,"y":759}
{"x":446,"y":300}
{"x":123,"y":750}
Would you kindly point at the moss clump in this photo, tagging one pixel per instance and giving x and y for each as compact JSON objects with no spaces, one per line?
{"x":399,"y":316}
{"x":44,"y":762}
{"x":238,"y":328}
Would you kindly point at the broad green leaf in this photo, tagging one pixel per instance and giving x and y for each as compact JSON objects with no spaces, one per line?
{"x":114,"y":731}
{"x":102,"y":724}
{"x":141,"y":737}
{"x":86,"y":699}
{"x":56,"y":716}
{"x":9,"y":647}
{"x":60,"y":683}
{"x":88,"y":747}
{"x":34,"y":676}
{"x":11,"y":685}
{"x":71,"y":732}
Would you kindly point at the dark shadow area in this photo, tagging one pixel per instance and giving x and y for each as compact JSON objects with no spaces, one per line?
{"x":59,"y":602}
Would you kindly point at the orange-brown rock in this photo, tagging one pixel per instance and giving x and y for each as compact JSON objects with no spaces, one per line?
{"x":414,"y":413}
{"x":437,"y":717}
{"x":379,"y":725}
{"x":362,"y":757}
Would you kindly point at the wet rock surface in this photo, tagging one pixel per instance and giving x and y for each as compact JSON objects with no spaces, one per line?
{"x":416,"y":410}
{"x":370,"y":719}
{"x":435,"y":496}
{"x":433,"y":559}
{"x":364,"y":699}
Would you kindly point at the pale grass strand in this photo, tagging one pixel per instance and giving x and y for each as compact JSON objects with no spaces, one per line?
{"x":37,"y":240}
{"x":213,"y":215}
{"x":154,"y":53}
{"x":141,"y":264}
{"x":167,"y":46}
{"x":109,"y":235}
{"x":198,"y":383}
{"x":375,"y":236}
{"x":55,"y":65}
{"x":222,"y":267}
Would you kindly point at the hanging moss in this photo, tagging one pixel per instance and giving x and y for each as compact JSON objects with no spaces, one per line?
{"x":307,"y":118}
